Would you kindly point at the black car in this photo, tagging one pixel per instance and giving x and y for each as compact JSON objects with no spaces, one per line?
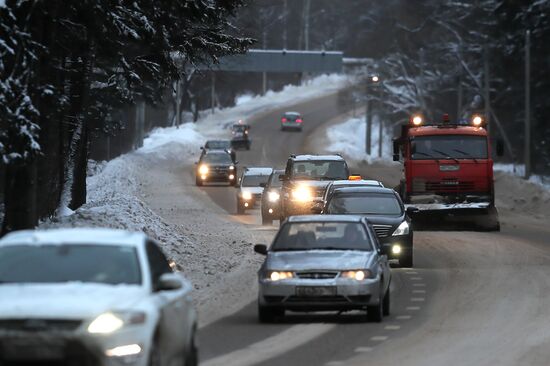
{"x":241,"y":136}
{"x":291,"y":121}
{"x":384,"y":210}
{"x":219,"y":145}
{"x":271,"y":198}
{"x":216,"y":166}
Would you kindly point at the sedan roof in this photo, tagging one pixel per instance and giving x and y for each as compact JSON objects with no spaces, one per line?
{"x":317,"y":157}
{"x":361,"y":182}
{"x":69,"y":236}
{"x":364,"y":189}
{"x":325,"y":218}
{"x":258,"y":171}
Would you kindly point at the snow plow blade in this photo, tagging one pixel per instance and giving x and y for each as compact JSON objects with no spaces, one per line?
{"x":479,"y":216}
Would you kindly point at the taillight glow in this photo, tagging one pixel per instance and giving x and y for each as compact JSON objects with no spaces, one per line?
{"x":283,"y":119}
{"x":298,"y":121}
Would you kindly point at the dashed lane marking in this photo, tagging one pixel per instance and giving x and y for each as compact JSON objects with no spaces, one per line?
{"x":411,"y":273}
{"x":363,"y":349}
{"x":413,"y":308}
{"x":392,"y":327}
{"x":417,"y":299}
{"x":419,"y":291}
{"x":419,"y":284}
{"x":379,"y":338}
{"x":416,"y":278}
{"x":403,"y":317}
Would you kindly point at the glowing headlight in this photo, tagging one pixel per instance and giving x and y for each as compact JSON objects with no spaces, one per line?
{"x":403,"y":229}
{"x":124,"y":351}
{"x":203,"y":169}
{"x":357,"y":275}
{"x":105,"y":323}
{"x":477,"y":121}
{"x":417,"y":120}
{"x":246,"y":195}
{"x":396,"y":249}
{"x":302,"y":194}
{"x":232,"y":167}
{"x":277,"y":276}
{"x":273,"y":196}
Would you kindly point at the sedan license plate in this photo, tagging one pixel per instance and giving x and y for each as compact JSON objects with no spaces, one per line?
{"x":314,"y":291}
{"x":22,"y":351}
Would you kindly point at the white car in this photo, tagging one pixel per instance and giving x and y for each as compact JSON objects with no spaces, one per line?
{"x":92,"y":297}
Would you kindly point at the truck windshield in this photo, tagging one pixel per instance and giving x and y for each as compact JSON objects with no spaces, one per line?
{"x":320,"y":170}
{"x":453,"y":147}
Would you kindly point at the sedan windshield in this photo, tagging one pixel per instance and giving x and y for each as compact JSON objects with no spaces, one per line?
{"x":366,"y":204}
{"x":217,"y":159}
{"x":322,"y":236}
{"x":254,"y":180}
{"x":319,"y":170}
{"x":220,"y":144}
{"x":107,"y":264}
{"x":453,"y":147}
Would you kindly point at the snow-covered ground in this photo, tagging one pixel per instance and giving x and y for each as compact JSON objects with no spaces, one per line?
{"x":152,"y":190}
{"x":518,"y":170}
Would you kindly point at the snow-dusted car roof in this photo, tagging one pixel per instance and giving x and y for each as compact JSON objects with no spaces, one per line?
{"x":258,"y":171}
{"x":74,"y":236}
{"x":325,"y":218}
{"x":318,"y":157}
{"x":359,"y":182}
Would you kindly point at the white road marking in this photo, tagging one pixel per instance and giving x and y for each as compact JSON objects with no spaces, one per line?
{"x":363,"y":349}
{"x":419,"y":291}
{"x":392,"y":327}
{"x":411,"y":273}
{"x":280,"y":343}
{"x":416,"y":278}
{"x":417,"y":299}
{"x":379,"y":338}
{"x":419,"y":284}
{"x":413,"y":308}
{"x":403,"y":317}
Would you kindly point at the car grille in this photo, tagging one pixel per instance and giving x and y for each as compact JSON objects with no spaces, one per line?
{"x":36,"y":325}
{"x":382,"y":231}
{"x":449,"y":185}
{"x":317,"y":275}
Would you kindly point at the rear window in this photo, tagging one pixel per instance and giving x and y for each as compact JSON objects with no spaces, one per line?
{"x":320,"y":170}
{"x":217,"y":159}
{"x":322,"y":236}
{"x":254,"y":180}
{"x":218,"y":145}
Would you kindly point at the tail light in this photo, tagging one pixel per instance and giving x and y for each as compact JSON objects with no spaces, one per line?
{"x":299,"y":120}
{"x":283,"y":119}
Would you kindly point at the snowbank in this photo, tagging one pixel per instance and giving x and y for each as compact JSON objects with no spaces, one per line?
{"x":349,"y":138}
{"x":518,"y":170}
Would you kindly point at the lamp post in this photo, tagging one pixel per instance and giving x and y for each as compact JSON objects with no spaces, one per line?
{"x":374,"y":79}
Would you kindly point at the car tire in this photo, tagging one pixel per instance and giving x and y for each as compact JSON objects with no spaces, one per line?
{"x":247,"y":146}
{"x":198,"y":182}
{"x":386,"y":303}
{"x":406,"y":261}
{"x":192,"y":357}
{"x":375,"y":313}
{"x":240,"y":207}
{"x":269,"y":314}
{"x":155,"y":357}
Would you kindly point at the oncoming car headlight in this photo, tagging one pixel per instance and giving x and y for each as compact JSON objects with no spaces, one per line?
{"x":277,"y":275}
{"x":403,"y":229}
{"x":357,"y":275}
{"x":246,"y":195}
{"x":302,"y":194}
{"x":273,"y":196}
{"x":107,"y":323}
{"x":203,"y":169}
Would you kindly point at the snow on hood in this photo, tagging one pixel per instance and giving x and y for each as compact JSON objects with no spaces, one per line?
{"x":319,"y":260}
{"x":66,"y":301}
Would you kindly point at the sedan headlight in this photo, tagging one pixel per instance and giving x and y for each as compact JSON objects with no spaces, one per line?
{"x":359,"y":275}
{"x":246,"y":195}
{"x":302,"y":194}
{"x":403,"y":229}
{"x":108,"y":323}
{"x":203,"y":169}
{"x":277,"y":276}
{"x":232,"y":167}
{"x":273,"y":196}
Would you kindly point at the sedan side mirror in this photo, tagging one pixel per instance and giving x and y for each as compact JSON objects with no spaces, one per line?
{"x":263,"y":185}
{"x":412,"y":210}
{"x":202,"y":147}
{"x":236,"y":162}
{"x":169,"y":282}
{"x":260,"y":249}
{"x":317,"y":207}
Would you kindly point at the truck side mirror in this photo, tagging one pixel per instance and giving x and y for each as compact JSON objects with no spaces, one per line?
{"x":500,"y":147}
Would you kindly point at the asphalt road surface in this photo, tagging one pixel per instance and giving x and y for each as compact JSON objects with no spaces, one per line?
{"x":472,"y":299}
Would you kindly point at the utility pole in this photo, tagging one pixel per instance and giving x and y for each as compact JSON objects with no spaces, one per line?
{"x":380,"y":135}
{"x":527,"y":147}
{"x":307,"y":7}
{"x":487,"y":88}
{"x":285,"y":16}
{"x":213,"y":92}
{"x":264,"y":74}
{"x":459,"y":91}
{"x":367,"y":119}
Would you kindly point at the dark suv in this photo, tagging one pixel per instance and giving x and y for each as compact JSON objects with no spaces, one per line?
{"x":305,"y":180}
{"x":216,"y":166}
{"x":241,"y":136}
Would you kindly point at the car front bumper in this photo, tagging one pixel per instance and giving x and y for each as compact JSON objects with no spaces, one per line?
{"x":341,"y":294}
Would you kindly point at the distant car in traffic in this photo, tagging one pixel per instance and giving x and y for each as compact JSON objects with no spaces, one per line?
{"x":92,"y":297}
{"x":250,"y":187}
{"x":271,"y":198}
{"x":384,"y":210}
{"x":219,"y":145}
{"x":241,"y":136}
{"x":342,"y":184}
{"x":292,"y":121}
{"x":216,"y":166}
{"x":322,"y":263}
{"x":305,"y":180}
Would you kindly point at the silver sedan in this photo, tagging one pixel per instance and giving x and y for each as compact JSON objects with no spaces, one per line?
{"x":320,"y":263}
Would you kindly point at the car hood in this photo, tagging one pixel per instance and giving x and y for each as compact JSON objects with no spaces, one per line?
{"x":253,"y":190}
{"x":66,"y":301}
{"x":319,"y":260}
{"x":385,"y":220}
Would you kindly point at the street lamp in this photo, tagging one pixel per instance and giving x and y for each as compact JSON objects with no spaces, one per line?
{"x":373,"y":79}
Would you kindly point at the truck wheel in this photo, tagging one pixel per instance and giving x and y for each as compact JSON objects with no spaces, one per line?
{"x":268,"y":314}
{"x":406,"y":261}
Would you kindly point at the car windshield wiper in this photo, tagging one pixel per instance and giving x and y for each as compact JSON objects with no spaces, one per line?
{"x":466,"y":154}
{"x":447,"y":156}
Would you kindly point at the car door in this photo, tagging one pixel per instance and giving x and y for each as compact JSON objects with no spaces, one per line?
{"x":383,"y":262}
{"x":172,"y":305}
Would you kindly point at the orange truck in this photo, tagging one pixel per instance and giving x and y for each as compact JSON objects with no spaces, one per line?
{"x":448,"y":172}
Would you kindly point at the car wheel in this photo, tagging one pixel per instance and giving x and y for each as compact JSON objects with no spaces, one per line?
{"x":155,"y":355}
{"x":268,"y":314}
{"x":406,"y":261}
{"x":386,"y":303}
{"x":192,"y":357}
{"x":375,"y":313}
{"x":266,"y":220}
{"x":240,"y":208}
{"x":248,"y":146}
{"x":198,"y":181}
